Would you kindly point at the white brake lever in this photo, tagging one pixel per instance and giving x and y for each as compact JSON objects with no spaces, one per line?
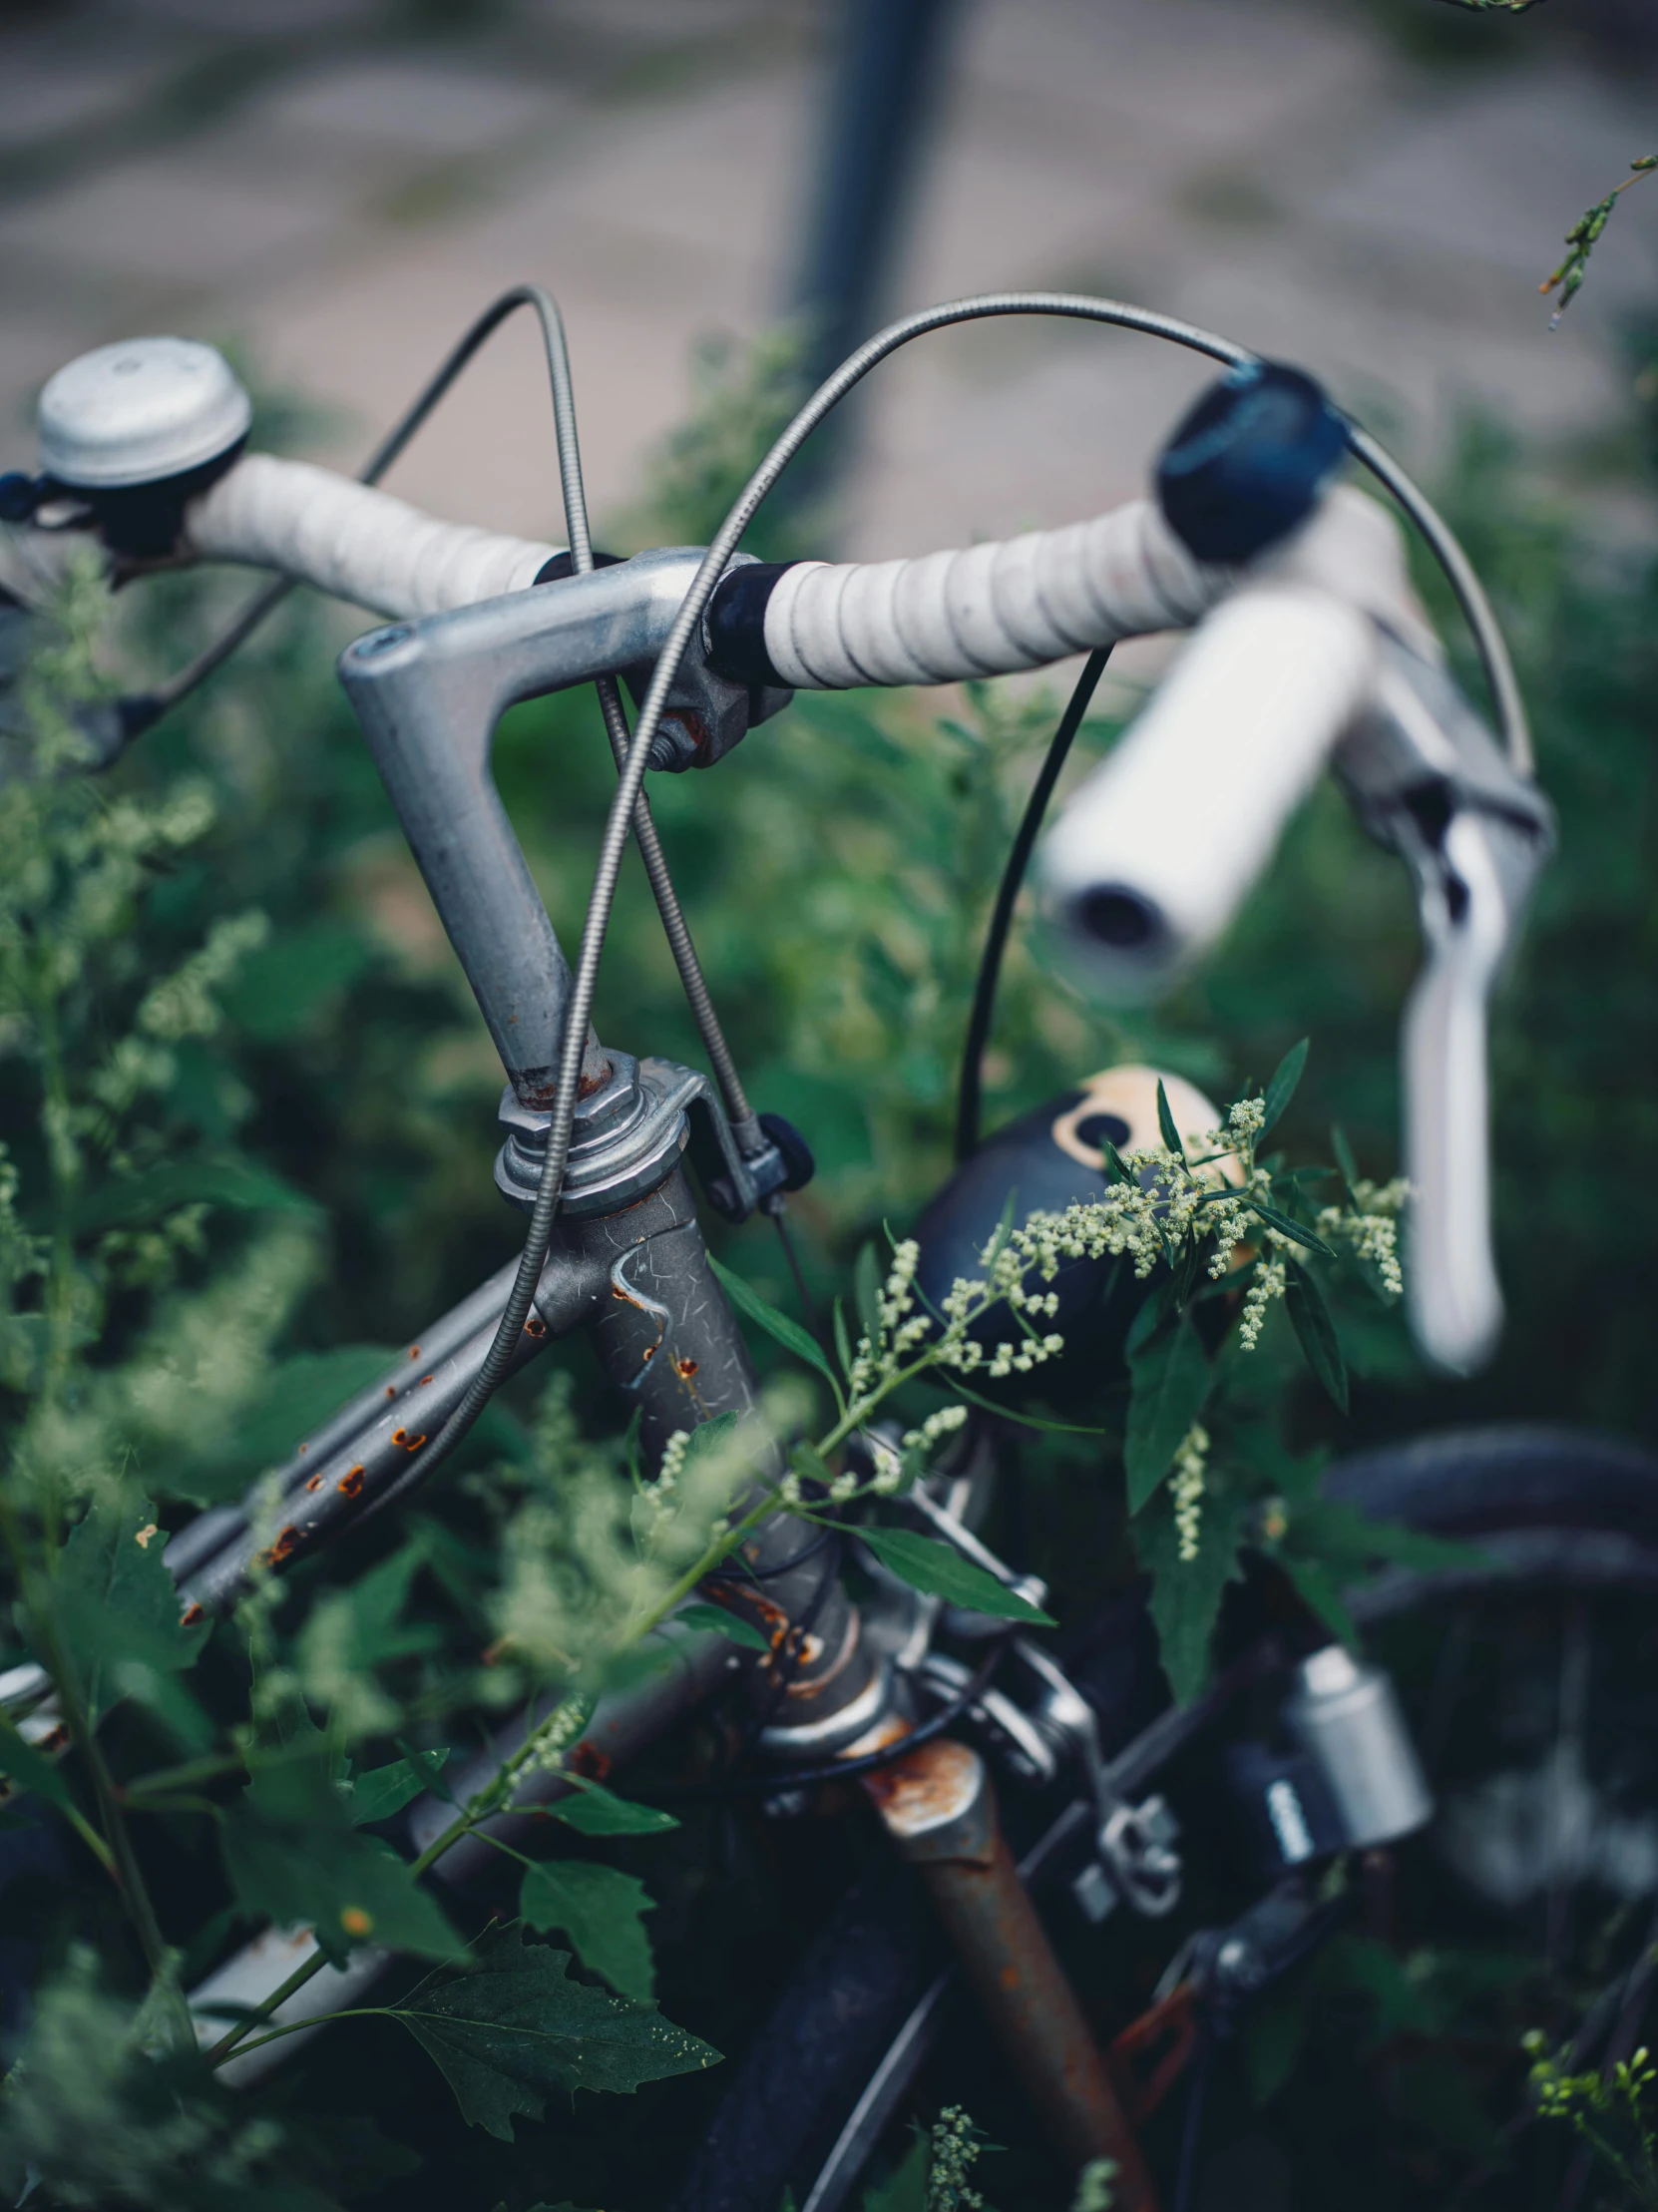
{"x":1427,"y":779}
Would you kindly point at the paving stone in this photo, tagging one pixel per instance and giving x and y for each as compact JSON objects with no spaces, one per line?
{"x":1270,"y":168}
{"x":412,"y":106}
{"x":173,"y":221}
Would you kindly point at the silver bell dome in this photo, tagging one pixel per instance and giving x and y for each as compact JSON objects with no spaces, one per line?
{"x":138,"y":413}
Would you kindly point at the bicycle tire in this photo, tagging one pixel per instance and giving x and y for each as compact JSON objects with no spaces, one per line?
{"x":1540,"y":1504}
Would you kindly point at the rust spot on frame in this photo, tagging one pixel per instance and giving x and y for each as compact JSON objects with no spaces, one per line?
{"x":351,"y":1482}
{"x":192,"y":1613}
{"x":935,"y":1783}
{"x":286,"y":1543}
{"x":533,"y":1326}
{"x":685,"y":1369}
{"x":390,"y":1391}
{"x":407,"y":1442}
{"x":414,"y":1351}
{"x":316,"y":1483}
{"x":424,"y":1380}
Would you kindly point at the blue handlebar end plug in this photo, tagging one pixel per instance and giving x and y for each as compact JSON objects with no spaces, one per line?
{"x":1250,"y":462}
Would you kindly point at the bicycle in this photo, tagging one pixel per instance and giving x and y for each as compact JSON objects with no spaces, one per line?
{"x":1318,"y":641}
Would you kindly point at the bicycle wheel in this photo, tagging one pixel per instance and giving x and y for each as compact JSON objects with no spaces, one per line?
{"x":1528,"y":1676}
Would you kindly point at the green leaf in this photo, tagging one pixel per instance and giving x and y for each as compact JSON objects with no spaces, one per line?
{"x":905,"y":2188}
{"x":228,"y":1181}
{"x":843,"y":1349}
{"x":1286,"y":1227}
{"x":866,"y":1291}
{"x":1316,"y":1331}
{"x":281,"y":986}
{"x":31,"y":1770}
{"x":1320,"y":1591}
{"x":940,"y":1569}
{"x":592,"y":1810}
{"x":1171,"y":1377}
{"x":516,"y":2029}
{"x":116,"y":1611}
{"x":359,"y":1627}
{"x":382,"y":1791}
{"x":1282,"y":1087}
{"x":1350,"y":1543}
{"x":1186,"y":1595}
{"x":1360,"y":1963}
{"x":293,"y":1856}
{"x":296,"y":1396}
{"x":1273,"y":2035}
{"x":601,"y":1910}
{"x":709,"y":1436}
{"x":1018,"y":1414}
{"x":723,"y":1624}
{"x":1344,"y":1157}
{"x":1165,"y":1123}
{"x":1116,"y":1167}
{"x":789,"y":1334}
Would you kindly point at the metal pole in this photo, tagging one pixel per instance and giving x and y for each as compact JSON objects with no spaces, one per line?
{"x":881,"y":105}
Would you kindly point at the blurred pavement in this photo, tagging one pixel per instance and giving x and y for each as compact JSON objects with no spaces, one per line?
{"x":337,"y":188}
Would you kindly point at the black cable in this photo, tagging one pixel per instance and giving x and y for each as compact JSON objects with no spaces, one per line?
{"x":242,"y":626}
{"x":1191,"y":2126}
{"x":799,"y":1778}
{"x":968,"y":1097}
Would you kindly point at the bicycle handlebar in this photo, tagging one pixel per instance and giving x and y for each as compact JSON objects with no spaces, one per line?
{"x":1156,"y":850}
{"x":355,"y":542}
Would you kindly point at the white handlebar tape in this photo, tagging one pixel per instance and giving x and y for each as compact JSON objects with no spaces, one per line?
{"x":352,"y":540}
{"x":1157,"y":847}
{"x":991,"y":609}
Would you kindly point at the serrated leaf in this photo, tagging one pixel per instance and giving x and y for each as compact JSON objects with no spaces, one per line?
{"x":516,"y":2029}
{"x":117,"y":1610}
{"x":1282,"y":1087}
{"x":382,"y":1791}
{"x":1315,"y":1330}
{"x":592,"y":1810}
{"x":866,"y":1290}
{"x":360,"y":1625}
{"x":709,"y":1436}
{"x":31,"y":1770}
{"x":1165,"y":1125}
{"x":1170,"y":1376}
{"x":723,"y":1624}
{"x":940,"y":1569}
{"x":1186,"y":1595}
{"x":787,"y":1333}
{"x":601,"y":1910}
{"x":293,"y":1856}
{"x":1286,"y":1227}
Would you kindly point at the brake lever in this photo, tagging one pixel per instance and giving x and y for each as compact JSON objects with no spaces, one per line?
{"x":1426,"y":779}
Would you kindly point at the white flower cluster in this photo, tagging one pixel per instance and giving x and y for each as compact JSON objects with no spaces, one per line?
{"x":558,"y":1731}
{"x":1371,"y":1226}
{"x":1186,"y":1489}
{"x":944,"y":1423}
{"x":1269,"y":1282}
